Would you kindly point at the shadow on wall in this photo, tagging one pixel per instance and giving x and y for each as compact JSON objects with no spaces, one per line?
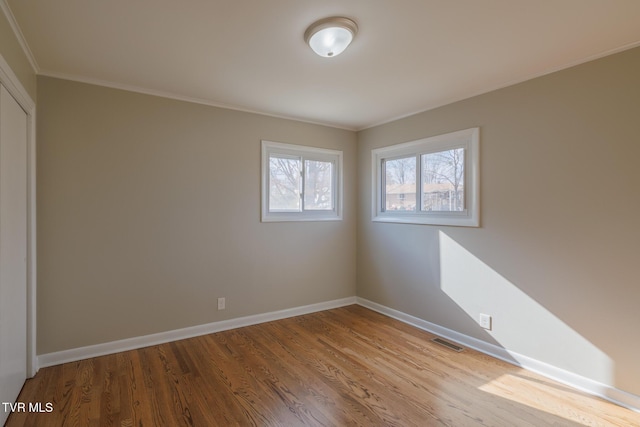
{"x":519,"y":323}
{"x":432,"y":276}
{"x":437,"y":278}
{"x":409,"y":279}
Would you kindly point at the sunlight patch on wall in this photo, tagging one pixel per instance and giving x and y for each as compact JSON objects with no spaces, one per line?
{"x":519,"y":323}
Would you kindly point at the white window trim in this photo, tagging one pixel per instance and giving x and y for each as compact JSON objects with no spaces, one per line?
{"x":469,"y":139}
{"x":307,"y":153}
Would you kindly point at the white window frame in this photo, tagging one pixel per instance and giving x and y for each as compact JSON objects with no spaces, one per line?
{"x":469,"y":140}
{"x":305,"y":153}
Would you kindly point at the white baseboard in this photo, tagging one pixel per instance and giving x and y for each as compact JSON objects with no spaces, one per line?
{"x":604,"y":391}
{"x":75,"y":354}
{"x":579,"y":382}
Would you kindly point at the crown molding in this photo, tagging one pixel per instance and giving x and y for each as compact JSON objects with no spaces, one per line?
{"x":183,"y":98}
{"x":514,"y":82}
{"x":8,"y":13}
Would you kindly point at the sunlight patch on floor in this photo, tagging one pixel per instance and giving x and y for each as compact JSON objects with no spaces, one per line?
{"x":538,"y":394}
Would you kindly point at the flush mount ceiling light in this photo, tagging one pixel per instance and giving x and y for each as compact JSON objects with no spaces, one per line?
{"x":330,"y":36}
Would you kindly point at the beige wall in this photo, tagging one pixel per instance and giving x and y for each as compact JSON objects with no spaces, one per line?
{"x":12,"y":53}
{"x":149,"y":210}
{"x":555,"y":261}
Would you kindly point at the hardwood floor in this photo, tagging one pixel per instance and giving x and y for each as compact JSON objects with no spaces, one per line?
{"x":347,"y":366}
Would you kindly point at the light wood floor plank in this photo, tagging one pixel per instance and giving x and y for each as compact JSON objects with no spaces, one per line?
{"x":347,"y":366}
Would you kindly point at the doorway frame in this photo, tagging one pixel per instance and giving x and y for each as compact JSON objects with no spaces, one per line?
{"x":11,"y":82}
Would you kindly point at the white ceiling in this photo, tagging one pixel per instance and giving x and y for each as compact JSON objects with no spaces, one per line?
{"x":409,"y":55}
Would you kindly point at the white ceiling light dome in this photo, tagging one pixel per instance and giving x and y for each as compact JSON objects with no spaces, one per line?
{"x":329,"y":37}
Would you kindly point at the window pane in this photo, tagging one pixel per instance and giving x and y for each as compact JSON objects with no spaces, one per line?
{"x":400,"y":180}
{"x":318,"y":187}
{"x":443,"y":181}
{"x":284,"y":181}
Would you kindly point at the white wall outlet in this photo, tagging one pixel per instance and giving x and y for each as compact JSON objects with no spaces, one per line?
{"x":485,"y":321}
{"x":222,"y":303}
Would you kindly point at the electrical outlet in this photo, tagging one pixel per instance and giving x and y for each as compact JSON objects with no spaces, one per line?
{"x":485,"y":321}
{"x":222,"y":303}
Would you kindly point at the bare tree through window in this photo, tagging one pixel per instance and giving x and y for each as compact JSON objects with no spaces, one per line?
{"x":284,"y":179}
{"x":285,"y":175}
{"x":400,"y":180}
{"x":300,"y":183}
{"x":443,"y":180}
{"x":318,"y":191}
{"x":433,"y":180}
